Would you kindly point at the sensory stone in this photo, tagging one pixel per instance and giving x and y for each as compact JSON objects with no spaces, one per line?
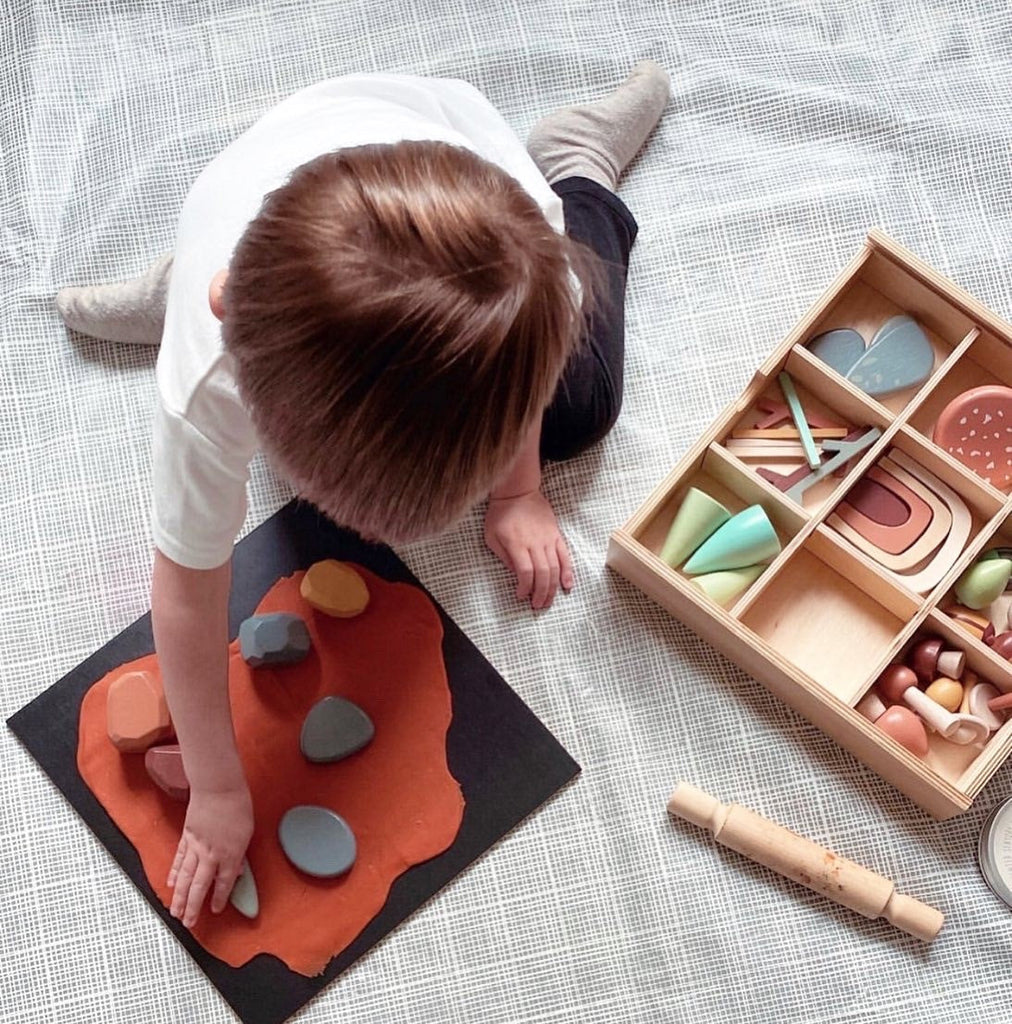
{"x":334,"y":729}
{"x":317,"y":841}
{"x":278,"y":638}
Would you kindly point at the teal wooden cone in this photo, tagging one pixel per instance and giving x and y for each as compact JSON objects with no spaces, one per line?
{"x":697,"y":517}
{"x":745,"y":539}
{"x":724,"y":587}
{"x":983,"y":582}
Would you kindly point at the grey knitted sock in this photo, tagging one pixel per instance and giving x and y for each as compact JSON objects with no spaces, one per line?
{"x":129,"y":311}
{"x":597,"y":140}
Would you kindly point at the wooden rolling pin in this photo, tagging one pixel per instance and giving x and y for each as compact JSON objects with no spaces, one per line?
{"x":806,"y":862}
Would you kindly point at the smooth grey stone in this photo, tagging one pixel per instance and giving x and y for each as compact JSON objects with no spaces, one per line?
{"x":317,"y":841}
{"x":244,"y":893}
{"x":899,"y":356}
{"x":840,"y":348}
{"x":333,"y":729}
{"x":279,"y":638}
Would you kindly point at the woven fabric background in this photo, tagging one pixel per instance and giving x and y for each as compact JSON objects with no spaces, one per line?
{"x":795,"y":126}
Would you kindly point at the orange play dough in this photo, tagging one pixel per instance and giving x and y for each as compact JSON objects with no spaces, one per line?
{"x":397,"y":794}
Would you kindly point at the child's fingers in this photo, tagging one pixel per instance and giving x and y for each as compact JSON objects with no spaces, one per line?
{"x":501,"y":553}
{"x":198,"y":890}
{"x":223,"y":886}
{"x":565,"y":563}
{"x":554,"y":571}
{"x":176,"y":863}
{"x":524,"y":568}
{"x":181,"y":890}
{"x":542,"y":579}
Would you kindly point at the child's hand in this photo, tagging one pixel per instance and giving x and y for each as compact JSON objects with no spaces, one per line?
{"x":215,"y":836}
{"x":523,"y":533}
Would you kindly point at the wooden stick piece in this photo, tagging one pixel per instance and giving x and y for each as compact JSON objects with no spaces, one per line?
{"x":800,"y":421}
{"x":790,"y":433}
{"x":779,"y":413}
{"x":806,"y":862}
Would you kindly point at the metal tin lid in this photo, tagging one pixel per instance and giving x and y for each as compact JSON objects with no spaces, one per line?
{"x":994,"y":851}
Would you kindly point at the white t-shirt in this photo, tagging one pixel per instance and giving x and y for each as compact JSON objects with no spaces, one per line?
{"x":203,"y":437}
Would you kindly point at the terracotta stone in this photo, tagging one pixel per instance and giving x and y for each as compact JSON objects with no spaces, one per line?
{"x":137,"y":716}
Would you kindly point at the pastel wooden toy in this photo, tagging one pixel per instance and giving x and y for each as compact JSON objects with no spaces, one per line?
{"x":931,"y":575}
{"x":898,"y":683}
{"x":842,"y":451}
{"x":784,"y":481}
{"x":244,"y":896}
{"x":977,"y":701}
{"x":278,"y":638}
{"x":823,"y":620}
{"x":884,"y":511}
{"x":317,"y":841}
{"x":778,"y":412}
{"x":800,"y":420}
{"x":164,"y":765}
{"x":1002,"y":645}
{"x":745,"y":539}
{"x":983,"y":582}
{"x":907,"y":489}
{"x":803,"y":861}
{"x":899,"y":356}
{"x":929,"y":659}
{"x":334,"y":588}
{"x":769,"y":450}
{"x":840,"y":349}
{"x":972,"y":622}
{"x":789,"y":433}
{"x":976,"y":428}
{"x":898,"y":721}
{"x":946,"y":692}
{"x":334,"y":729}
{"x":724,"y":587}
{"x":1002,"y":703}
{"x":137,"y":716}
{"x":697,"y":518}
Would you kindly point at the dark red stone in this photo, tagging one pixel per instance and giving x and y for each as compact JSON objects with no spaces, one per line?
{"x":165,"y":766}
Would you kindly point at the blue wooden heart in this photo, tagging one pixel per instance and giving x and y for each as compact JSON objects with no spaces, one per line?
{"x":840,"y":349}
{"x":899,"y":356}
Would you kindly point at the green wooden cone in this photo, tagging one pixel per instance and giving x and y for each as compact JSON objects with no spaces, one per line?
{"x":697,"y":517}
{"x":745,"y":539}
{"x":724,"y":587}
{"x":983,"y":582}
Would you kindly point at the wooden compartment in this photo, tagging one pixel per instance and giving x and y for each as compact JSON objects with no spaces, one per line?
{"x":883,"y":289}
{"x":825,"y":618}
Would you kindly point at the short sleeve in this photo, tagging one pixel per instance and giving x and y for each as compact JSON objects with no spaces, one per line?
{"x":199,"y":481}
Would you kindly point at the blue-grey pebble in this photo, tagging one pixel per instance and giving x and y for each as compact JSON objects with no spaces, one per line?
{"x":278,"y":638}
{"x":334,"y":729}
{"x":317,"y":841}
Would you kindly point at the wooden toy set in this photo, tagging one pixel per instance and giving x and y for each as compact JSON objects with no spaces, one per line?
{"x":840,"y":531}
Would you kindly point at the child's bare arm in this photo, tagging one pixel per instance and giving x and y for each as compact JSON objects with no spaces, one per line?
{"x":521,"y":529}
{"x":190,"y":617}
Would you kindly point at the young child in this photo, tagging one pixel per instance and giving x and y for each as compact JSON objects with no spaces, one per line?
{"x":408,"y":322}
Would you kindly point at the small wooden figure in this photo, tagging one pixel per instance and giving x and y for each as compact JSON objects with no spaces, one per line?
{"x":976,"y":428}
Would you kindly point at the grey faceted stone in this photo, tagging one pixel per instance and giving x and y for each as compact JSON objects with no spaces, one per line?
{"x":279,"y":638}
{"x":317,"y":841}
{"x":333,"y":729}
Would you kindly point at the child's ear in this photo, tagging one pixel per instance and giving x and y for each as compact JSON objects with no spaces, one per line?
{"x":215,"y":293}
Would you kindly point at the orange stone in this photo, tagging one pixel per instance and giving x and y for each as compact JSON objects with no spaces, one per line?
{"x":334,"y":588}
{"x":136,"y":714}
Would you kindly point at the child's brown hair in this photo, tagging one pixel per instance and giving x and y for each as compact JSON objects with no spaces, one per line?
{"x":400,"y":316}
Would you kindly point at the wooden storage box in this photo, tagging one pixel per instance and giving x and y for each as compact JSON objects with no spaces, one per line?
{"x":823,"y":621}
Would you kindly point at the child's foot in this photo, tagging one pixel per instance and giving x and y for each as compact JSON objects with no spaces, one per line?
{"x":131,"y":311}
{"x":597,"y":140}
